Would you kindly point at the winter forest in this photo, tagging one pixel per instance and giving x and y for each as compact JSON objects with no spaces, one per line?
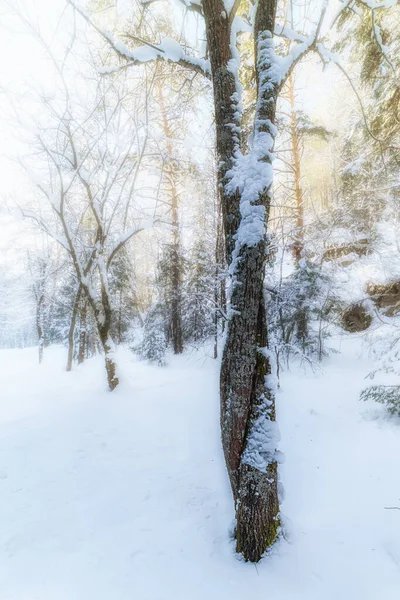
{"x":200,"y":299}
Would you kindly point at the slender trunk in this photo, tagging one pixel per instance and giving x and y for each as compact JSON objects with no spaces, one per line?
{"x":170,"y":169}
{"x":219,"y":283}
{"x":216,"y":302}
{"x":176,"y":301}
{"x":102,"y":314}
{"x":120,"y":318}
{"x":82,"y":332}
{"x":103,"y":320}
{"x":248,"y":427}
{"x":72,"y":329}
{"x":39,"y":326}
{"x":111,"y":367}
{"x":298,"y":245}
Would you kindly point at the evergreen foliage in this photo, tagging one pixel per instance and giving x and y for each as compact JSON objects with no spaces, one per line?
{"x":154,"y":344}
{"x":199,"y":295}
{"x":298,"y":310}
{"x":389,"y":395}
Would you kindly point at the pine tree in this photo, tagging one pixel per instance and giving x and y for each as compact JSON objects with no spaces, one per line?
{"x":154,"y":344}
{"x":199,"y":297}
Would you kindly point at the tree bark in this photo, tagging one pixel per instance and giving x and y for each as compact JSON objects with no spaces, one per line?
{"x":247,"y":402}
{"x":219,"y":283}
{"x":103,"y":321}
{"x":72,"y":329}
{"x":82,"y":332}
{"x":111,"y":367}
{"x":298,"y":245}
{"x":170,"y":168}
{"x":39,"y":326}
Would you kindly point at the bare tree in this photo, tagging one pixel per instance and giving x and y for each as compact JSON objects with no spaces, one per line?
{"x":39,"y":270}
{"x":89,"y":162}
{"x":71,"y":331}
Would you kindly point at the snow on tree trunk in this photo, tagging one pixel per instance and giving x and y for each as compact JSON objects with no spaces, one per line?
{"x":72,"y":329}
{"x":82,"y":333}
{"x":249,"y":431}
{"x":107,"y":345}
{"x":39,"y":326}
{"x":103,"y":316}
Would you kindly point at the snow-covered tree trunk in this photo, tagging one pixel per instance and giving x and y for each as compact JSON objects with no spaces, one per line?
{"x":249,"y":433}
{"x":72,"y":329}
{"x":39,"y":325}
{"x":82,"y":332}
{"x":102,"y":315}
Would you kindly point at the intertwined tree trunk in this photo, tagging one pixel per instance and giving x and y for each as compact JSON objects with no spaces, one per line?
{"x":247,"y":402}
{"x":103,"y":314}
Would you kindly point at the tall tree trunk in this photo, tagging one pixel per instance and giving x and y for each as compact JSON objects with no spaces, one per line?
{"x":39,"y":325}
{"x":219,"y":283}
{"x":298,"y":245}
{"x":249,"y":432}
{"x":170,"y":169}
{"x":102,"y":314}
{"x":103,"y":320}
{"x":82,"y":332}
{"x":111,"y":367}
{"x":120,"y":318}
{"x":72,"y":329}
{"x":215,"y":319}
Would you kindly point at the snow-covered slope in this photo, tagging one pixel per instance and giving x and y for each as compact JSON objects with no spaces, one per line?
{"x":124,"y":496}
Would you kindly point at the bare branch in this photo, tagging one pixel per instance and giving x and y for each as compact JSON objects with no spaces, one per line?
{"x":327,"y":57}
{"x":122,"y":243}
{"x":305,"y":47}
{"x":141,"y":54}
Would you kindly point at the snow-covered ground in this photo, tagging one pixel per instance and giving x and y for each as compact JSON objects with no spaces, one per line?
{"x":123,"y":496}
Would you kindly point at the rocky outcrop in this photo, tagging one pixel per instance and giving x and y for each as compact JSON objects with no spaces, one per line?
{"x":360,"y":247}
{"x":385,"y":296}
{"x":356,"y":318}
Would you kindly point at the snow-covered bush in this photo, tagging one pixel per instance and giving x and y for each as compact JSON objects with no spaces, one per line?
{"x":199,"y":295}
{"x":297,"y":309}
{"x":389,"y":395}
{"x":154,"y":343}
{"x":385,"y":348}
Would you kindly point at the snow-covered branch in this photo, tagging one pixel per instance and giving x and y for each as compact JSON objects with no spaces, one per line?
{"x":43,"y":226}
{"x":329,"y":57}
{"x":169,"y":50}
{"x":285,"y":65}
{"x":125,"y":239}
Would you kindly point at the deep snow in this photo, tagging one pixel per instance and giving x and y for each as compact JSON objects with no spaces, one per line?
{"x":124,"y":495}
